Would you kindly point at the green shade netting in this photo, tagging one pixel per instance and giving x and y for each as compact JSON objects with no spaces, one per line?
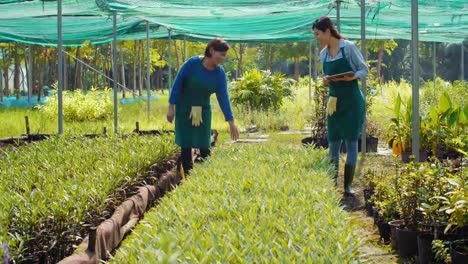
{"x":235,"y":20}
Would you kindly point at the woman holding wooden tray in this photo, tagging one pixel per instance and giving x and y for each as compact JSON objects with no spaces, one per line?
{"x":343,"y":65}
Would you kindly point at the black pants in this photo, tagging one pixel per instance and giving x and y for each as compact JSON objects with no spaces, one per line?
{"x":186,"y":158}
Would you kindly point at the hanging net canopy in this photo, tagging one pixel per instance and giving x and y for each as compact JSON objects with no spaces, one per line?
{"x":35,"y":21}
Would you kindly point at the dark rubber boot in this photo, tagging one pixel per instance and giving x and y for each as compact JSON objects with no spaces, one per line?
{"x":186,"y":159}
{"x":348,"y":179}
{"x":335,"y":176}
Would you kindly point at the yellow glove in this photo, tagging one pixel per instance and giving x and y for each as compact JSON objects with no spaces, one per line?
{"x":196,"y":115}
{"x":331,"y":105}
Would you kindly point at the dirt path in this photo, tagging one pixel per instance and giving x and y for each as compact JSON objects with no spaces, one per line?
{"x":372,"y":250}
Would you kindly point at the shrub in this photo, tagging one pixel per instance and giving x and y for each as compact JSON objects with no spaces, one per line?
{"x":78,"y":106}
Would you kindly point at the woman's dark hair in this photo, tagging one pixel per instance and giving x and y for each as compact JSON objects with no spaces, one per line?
{"x":325,"y":23}
{"x":218,"y":45}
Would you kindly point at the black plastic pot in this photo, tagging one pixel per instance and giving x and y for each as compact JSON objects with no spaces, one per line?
{"x":316,"y":142}
{"x":459,"y":251}
{"x":407,"y":242}
{"x":425,"y":248}
{"x":370,"y":209}
{"x":371,"y":145}
{"x":405,"y":156}
{"x":393,"y":237}
{"x":368,"y":192}
{"x":384,"y":231}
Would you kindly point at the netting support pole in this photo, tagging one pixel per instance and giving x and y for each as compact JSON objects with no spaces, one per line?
{"x":310,"y":70}
{"x":170,"y":59}
{"x":363,"y":81}
{"x":338,"y":15}
{"x":148,"y":68}
{"x":114,"y":70}
{"x":434,"y":65}
{"x":60,"y":67}
{"x":185,"y":48}
{"x":415,"y":79}
{"x":30,"y":72}
{"x":462,"y":63}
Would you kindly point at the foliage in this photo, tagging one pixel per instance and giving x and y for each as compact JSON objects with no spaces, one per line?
{"x":88,"y":173}
{"x":385,"y":195}
{"x":455,"y":201}
{"x":78,"y":106}
{"x":261,"y":91}
{"x":441,"y":251}
{"x":239,"y":207}
{"x":318,"y":115}
{"x":447,"y":124}
{"x":400,"y":128}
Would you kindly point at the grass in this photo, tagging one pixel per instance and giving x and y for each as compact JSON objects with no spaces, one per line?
{"x":248,"y":203}
{"x":293,"y":113}
{"x":12,"y":120}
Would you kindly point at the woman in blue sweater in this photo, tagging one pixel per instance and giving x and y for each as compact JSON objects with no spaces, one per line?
{"x":346,"y":106}
{"x":189,"y":101}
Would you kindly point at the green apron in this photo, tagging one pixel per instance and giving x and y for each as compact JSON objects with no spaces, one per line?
{"x":346,"y":122}
{"x":196,"y":91}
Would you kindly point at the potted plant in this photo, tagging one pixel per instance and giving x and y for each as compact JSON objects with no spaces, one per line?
{"x":400,"y":130}
{"x":410,"y":179}
{"x":446,"y":125}
{"x":456,"y":206}
{"x":318,"y":118}
{"x":384,"y":199}
{"x":434,"y":185}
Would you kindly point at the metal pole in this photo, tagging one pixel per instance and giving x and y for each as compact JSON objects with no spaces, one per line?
{"x":363,"y":81}
{"x":462,"y":63}
{"x":415,"y":79}
{"x":30,"y":72}
{"x":114,"y":71}
{"x":170,"y":59}
{"x":185,"y":48}
{"x":148,"y":67}
{"x":60,"y":67}
{"x":310,"y":70}
{"x":338,"y":5}
{"x":434,"y":64}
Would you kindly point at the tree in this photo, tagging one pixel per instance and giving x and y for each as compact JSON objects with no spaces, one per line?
{"x":295,"y":52}
{"x":381,"y":47}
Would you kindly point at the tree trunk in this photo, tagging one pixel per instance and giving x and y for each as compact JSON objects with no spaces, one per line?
{"x":241,"y":57}
{"x":16,"y":80}
{"x":1,"y":87}
{"x":135,"y":50}
{"x":6,"y":75}
{"x":41,"y":75}
{"x":176,"y":55}
{"x":270,"y":57}
{"x":296,"y":69}
{"x":95,"y":74}
{"x":379,"y":61}
{"x":122,"y":67}
{"x":79,"y":71}
{"x":140,"y":69}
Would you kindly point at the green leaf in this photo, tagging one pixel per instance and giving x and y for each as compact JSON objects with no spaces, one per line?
{"x":396,"y":109}
{"x":444,"y":103}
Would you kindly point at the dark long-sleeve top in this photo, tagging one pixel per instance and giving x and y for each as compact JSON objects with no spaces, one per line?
{"x":218,"y":75}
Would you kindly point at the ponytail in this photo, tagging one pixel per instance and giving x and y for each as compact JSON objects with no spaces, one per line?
{"x":324,"y":23}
